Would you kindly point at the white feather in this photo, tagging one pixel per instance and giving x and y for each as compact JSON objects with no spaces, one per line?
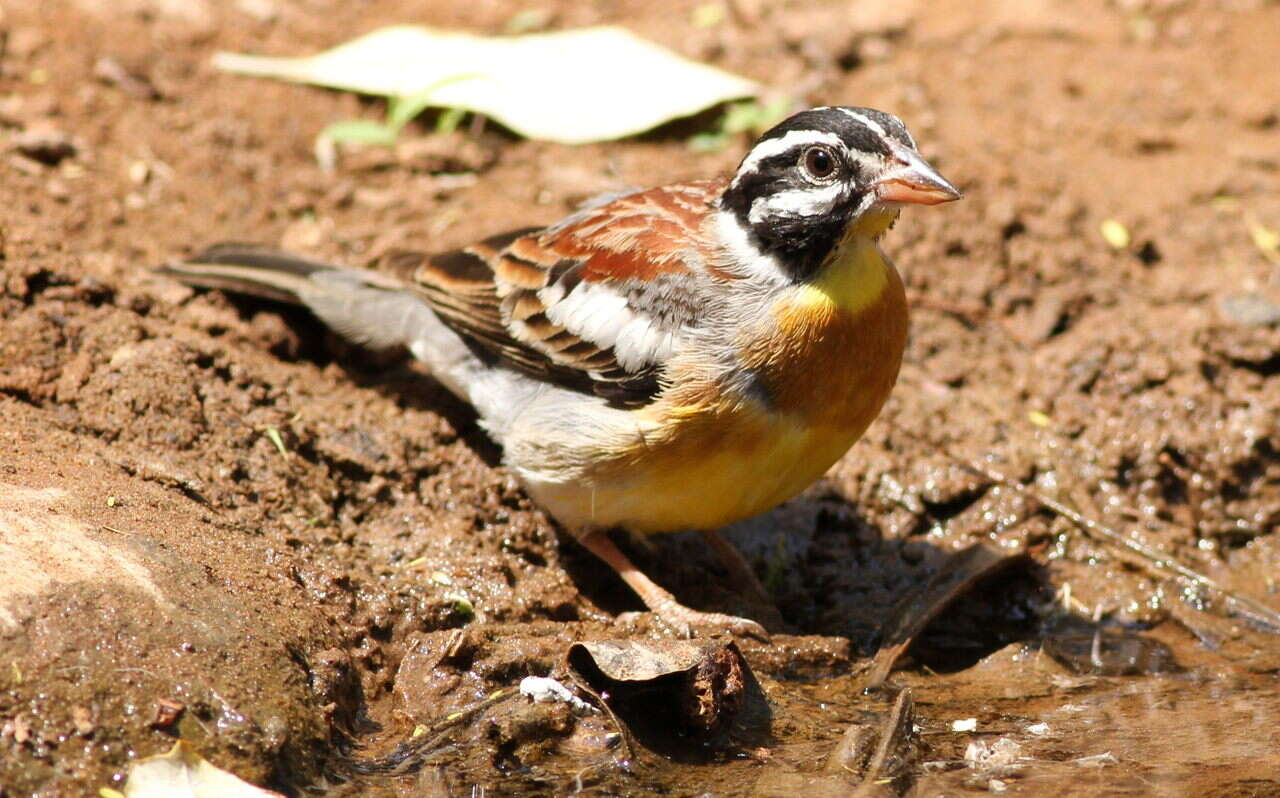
{"x":551,"y":295}
{"x":592,"y":311}
{"x":596,"y":312}
{"x":642,"y":343}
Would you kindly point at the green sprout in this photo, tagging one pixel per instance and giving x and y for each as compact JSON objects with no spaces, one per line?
{"x":750,"y":116}
{"x":401,"y":109}
{"x":273,"y":434}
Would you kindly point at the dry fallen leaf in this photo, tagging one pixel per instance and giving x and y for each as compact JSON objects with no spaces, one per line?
{"x":182,"y":773}
{"x":536,"y":84}
{"x":957,"y":574}
{"x":702,"y":682}
{"x":1115,"y":234}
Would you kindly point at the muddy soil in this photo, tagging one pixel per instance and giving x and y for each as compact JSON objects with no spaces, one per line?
{"x":218,"y":526}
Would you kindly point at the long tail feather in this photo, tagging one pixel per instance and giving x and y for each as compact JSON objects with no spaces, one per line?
{"x":247,"y":269}
{"x":366,"y":307}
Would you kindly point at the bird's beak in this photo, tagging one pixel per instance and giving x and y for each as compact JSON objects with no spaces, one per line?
{"x":912,"y":179}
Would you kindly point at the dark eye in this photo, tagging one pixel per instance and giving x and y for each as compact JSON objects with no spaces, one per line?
{"x":819,"y":162}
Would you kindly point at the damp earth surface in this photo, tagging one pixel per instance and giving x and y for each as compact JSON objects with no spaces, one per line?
{"x":218,"y":525}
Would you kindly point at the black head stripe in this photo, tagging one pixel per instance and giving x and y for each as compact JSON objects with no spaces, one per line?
{"x":855,"y":134}
{"x":891,"y":124}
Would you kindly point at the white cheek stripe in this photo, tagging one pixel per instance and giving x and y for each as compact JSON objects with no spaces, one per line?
{"x":792,"y":138}
{"x":796,"y":202}
{"x":742,"y":255}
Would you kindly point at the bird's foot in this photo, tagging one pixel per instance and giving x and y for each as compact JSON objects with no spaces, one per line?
{"x":687,"y":622}
{"x":684,"y":621}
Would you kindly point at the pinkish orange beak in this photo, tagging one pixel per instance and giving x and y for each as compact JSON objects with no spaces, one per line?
{"x":913,"y":180}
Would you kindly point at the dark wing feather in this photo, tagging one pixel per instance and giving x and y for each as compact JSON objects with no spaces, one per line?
{"x":596,"y":303}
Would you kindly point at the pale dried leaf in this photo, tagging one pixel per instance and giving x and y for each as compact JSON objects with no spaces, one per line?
{"x":574,"y":86}
{"x":182,"y":773}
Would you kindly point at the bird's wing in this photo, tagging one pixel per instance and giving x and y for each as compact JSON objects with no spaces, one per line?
{"x":597,"y":302}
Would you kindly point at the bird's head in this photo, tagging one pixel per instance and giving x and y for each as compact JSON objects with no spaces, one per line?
{"x":821,"y":174}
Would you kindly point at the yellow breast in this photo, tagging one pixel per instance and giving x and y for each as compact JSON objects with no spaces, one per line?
{"x":826,"y":366}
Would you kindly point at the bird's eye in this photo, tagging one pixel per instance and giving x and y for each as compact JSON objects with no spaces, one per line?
{"x":819,"y":162}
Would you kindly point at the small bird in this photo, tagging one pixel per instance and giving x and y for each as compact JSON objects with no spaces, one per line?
{"x":676,"y":358}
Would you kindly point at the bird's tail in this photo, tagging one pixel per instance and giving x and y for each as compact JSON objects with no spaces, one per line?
{"x":367,"y":308}
{"x":246,"y":269}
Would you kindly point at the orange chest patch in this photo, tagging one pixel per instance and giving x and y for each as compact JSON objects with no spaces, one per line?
{"x":834,"y":363}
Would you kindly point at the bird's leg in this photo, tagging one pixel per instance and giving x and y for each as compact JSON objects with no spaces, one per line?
{"x":739,"y":570}
{"x":683,"y":619}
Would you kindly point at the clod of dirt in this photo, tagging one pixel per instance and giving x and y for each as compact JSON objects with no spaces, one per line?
{"x":113,"y":73}
{"x":528,"y":733}
{"x":46,"y":146}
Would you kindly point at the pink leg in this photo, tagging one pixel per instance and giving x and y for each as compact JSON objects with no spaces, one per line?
{"x":662,"y":603}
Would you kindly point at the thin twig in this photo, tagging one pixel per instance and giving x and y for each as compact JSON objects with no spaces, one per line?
{"x":1163,"y":564}
{"x":411,"y":755}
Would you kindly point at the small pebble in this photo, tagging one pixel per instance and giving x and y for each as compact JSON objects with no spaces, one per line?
{"x":1250,"y":310}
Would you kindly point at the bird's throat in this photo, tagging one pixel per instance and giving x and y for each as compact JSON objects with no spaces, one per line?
{"x":874,"y":223}
{"x":844,"y":334}
{"x":851,"y":280}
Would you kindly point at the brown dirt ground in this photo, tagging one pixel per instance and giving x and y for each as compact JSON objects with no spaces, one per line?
{"x":157,"y":545}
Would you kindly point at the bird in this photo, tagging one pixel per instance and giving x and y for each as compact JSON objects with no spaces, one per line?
{"x":668,"y":359}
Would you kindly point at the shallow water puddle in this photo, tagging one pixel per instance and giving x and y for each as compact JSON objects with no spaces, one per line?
{"x":1069,"y":735}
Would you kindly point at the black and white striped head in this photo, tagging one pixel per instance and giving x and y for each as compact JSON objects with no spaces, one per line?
{"x":819,"y":171}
